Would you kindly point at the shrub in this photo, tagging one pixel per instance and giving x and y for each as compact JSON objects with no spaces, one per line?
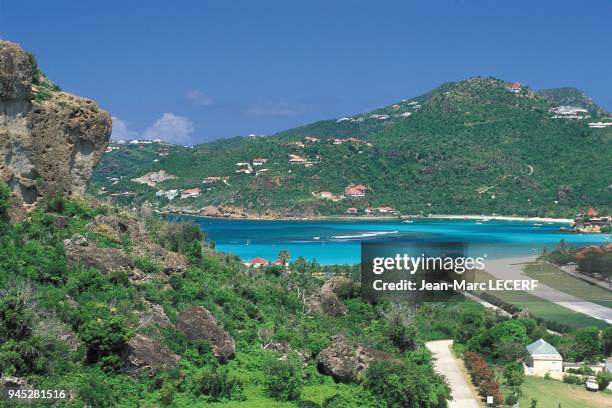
{"x":105,"y":337}
{"x":95,"y":392}
{"x":5,"y":194}
{"x":406,"y":385}
{"x":219,"y":385}
{"x":284,"y":379}
{"x":179,"y":236}
{"x":603,"y":379}
{"x":573,"y":379}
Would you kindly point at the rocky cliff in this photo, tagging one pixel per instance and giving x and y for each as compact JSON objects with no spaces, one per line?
{"x":50,"y":141}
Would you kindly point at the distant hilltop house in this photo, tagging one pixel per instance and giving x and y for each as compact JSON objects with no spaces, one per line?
{"x":163,"y":152}
{"x":151,"y":179}
{"x":169,"y":194}
{"x":347,"y":140}
{"x":190,"y":192}
{"x":544,"y":359}
{"x":355,"y":191}
{"x":259,"y":161}
{"x":591,"y":222}
{"x":515,"y":87}
{"x":295,"y":159}
{"x":569,"y":112}
{"x":381,"y":210}
{"x":244,"y":167}
{"x":296,"y":143}
{"x":600,"y":125}
{"x":214,"y":179}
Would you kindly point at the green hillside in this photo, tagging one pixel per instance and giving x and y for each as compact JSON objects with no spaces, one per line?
{"x":470,"y":147}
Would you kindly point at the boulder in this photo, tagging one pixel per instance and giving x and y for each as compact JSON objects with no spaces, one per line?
{"x":153,"y":314}
{"x":143,"y":353}
{"x":341,"y":286}
{"x":197,"y":323}
{"x":117,"y":225}
{"x":106,"y":260}
{"x":345,"y":361}
{"x":284,"y":349}
{"x":50,"y":141}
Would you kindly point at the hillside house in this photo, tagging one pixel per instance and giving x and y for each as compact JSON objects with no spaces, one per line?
{"x":211,"y":179}
{"x":296,"y":143}
{"x":569,"y":112}
{"x":169,"y":194}
{"x":295,"y":159}
{"x":352,"y":210}
{"x":163,"y":152}
{"x":544,"y":359}
{"x":326,"y":194}
{"x":515,"y":87}
{"x":257,"y":262}
{"x":600,"y":125}
{"x":355,"y":191}
{"x":259,"y":161}
{"x":311,"y":139}
{"x":387,"y":210}
{"x":590,"y":222}
{"x":370,"y":210}
{"x":190,"y":192}
{"x":337,"y":141}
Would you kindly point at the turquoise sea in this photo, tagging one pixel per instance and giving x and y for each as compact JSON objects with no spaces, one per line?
{"x":339,"y":241}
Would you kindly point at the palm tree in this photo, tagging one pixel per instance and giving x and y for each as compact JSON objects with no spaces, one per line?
{"x":284,"y":256}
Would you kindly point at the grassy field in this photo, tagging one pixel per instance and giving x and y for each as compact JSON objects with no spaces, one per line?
{"x":542,"y":308}
{"x":555,"y":394}
{"x":552,"y":276}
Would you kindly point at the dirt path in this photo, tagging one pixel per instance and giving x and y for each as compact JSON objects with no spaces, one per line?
{"x":446,"y":364}
{"x":512,"y":268}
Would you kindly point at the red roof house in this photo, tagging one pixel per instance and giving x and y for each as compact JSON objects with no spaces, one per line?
{"x":351,"y":210}
{"x":592,"y":212}
{"x":295,"y":159}
{"x":257,"y":262}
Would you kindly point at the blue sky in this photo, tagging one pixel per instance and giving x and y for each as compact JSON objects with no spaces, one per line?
{"x":192,"y":71}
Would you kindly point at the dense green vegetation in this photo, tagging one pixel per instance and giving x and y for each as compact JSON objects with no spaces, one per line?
{"x":42,"y":299}
{"x":467,"y":147}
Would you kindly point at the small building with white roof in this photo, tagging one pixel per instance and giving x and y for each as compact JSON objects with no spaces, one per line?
{"x":544,"y":359}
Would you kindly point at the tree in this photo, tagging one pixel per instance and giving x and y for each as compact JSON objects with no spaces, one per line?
{"x":606,"y":340}
{"x":587,"y":345}
{"x":284,"y":256}
{"x":514,"y":374}
{"x":603,"y":379}
{"x":105,"y":338}
{"x":534,"y":403}
{"x":284,"y":378}
{"x":406,"y":385}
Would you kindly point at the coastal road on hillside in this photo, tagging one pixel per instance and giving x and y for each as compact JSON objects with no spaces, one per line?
{"x":446,"y":365}
{"x":512,"y":268}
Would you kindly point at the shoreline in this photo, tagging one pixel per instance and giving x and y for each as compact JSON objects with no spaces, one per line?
{"x":379,"y":217}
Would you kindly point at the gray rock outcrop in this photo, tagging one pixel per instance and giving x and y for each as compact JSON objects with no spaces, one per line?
{"x":143,"y":353}
{"x":197,"y":323}
{"x":345,"y":361}
{"x":50,"y":141}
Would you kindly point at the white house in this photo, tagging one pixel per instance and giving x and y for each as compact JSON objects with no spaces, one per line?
{"x":544,"y":359}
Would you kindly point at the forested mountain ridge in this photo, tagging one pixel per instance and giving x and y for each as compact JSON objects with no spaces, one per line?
{"x":477,"y":146}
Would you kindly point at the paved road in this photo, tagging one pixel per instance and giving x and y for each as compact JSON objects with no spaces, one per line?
{"x":513,"y":269}
{"x":446,"y":364}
